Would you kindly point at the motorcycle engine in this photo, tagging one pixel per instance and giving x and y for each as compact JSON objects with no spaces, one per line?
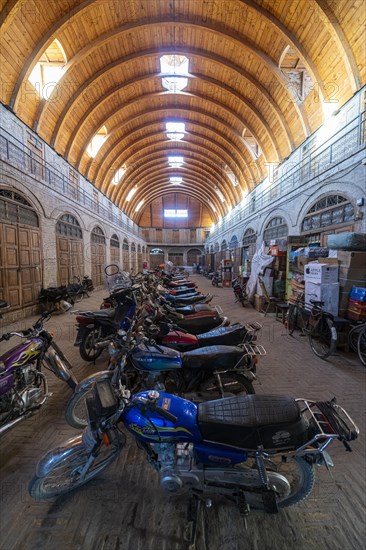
{"x":176,"y":475}
{"x":29,"y":394}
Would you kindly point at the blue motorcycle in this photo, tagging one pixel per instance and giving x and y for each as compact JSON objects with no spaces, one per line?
{"x":257,"y":450}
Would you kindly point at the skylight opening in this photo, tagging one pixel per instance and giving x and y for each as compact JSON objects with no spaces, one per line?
{"x":220,"y":195}
{"x":176,"y":180}
{"x":176,"y":69}
{"x":118,"y":176}
{"x":176,"y":213}
{"x":175,"y":130}
{"x":232,"y":177}
{"x":131,"y":193}
{"x":97,"y":142}
{"x":175,"y":162}
{"x":48,"y":70}
{"x":139,"y":205}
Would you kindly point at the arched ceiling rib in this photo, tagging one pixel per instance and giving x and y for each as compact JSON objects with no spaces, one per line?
{"x":112,"y":78}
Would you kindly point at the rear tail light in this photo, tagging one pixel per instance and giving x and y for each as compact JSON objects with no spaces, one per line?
{"x":82,"y":320}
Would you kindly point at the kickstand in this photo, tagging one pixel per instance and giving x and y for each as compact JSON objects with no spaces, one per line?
{"x":194,"y":507}
{"x":243,"y":506}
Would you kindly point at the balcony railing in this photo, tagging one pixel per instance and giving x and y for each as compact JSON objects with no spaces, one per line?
{"x":352,"y":138}
{"x":20,"y":156}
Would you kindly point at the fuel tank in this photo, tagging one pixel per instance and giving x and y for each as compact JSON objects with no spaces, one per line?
{"x":150,"y":426}
{"x":180,"y":341}
{"x":24,"y":353}
{"x":150,"y":359}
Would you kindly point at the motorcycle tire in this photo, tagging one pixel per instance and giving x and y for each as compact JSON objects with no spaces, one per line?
{"x":86,"y":349}
{"x":233,"y":384}
{"x":296,"y":482}
{"x":64,"y":474}
{"x":76,"y":414}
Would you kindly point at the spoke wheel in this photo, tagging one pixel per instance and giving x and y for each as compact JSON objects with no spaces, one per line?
{"x":323,"y":337}
{"x":292,"y":481}
{"x":88,"y":351}
{"x":65,"y":474}
{"x":361,"y":346}
{"x":292,"y":319}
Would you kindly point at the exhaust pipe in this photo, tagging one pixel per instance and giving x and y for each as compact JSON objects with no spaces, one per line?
{"x":16,"y":421}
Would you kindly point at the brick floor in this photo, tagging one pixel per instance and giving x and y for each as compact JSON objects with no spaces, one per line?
{"x":125,"y":509}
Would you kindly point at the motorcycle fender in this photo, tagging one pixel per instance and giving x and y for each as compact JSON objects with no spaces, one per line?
{"x":58,"y":367}
{"x":57,"y":455}
{"x":324,"y":459}
{"x":80,"y":333}
{"x":89,"y":380}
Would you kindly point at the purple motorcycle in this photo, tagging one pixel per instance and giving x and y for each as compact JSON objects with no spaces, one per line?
{"x":23,"y":387}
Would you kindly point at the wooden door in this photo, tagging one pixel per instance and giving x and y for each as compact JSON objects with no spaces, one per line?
{"x":20,"y":266}
{"x":98,"y":260}
{"x":70,"y":260}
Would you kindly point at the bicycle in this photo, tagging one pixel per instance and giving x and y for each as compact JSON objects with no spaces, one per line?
{"x":357,"y":341}
{"x":316,"y":324}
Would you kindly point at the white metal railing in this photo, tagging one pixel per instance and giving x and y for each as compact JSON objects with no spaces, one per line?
{"x":352,"y":139}
{"x":20,"y":156}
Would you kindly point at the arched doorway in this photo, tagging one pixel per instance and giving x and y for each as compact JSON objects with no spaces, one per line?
{"x":156,"y":257}
{"x":248,"y":250}
{"x":133,"y":257}
{"x":139,"y":258}
{"x":276,"y":228}
{"x":69,"y":245}
{"x":20,"y":251}
{"x":330,"y":214}
{"x":235,"y":254}
{"x":115,"y":252}
{"x":126,"y":255}
{"x":98,"y":255}
{"x":194,"y":256}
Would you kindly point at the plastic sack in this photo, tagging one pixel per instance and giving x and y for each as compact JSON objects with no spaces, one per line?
{"x":260,"y":260}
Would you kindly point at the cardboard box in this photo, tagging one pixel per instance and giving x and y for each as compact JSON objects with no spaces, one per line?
{"x":352,"y":259}
{"x":315,"y":272}
{"x":301,"y":262}
{"x":327,"y":293}
{"x":258,"y":302}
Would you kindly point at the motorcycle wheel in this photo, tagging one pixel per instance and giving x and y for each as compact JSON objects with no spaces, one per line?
{"x":64,"y":474}
{"x":87,"y":350}
{"x":292,"y":481}
{"x":232,"y":383}
{"x":76,"y":414}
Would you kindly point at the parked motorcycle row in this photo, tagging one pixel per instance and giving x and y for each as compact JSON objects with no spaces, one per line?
{"x":179,"y":378}
{"x":62,"y":298}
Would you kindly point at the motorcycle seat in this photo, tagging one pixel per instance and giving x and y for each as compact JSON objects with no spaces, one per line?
{"x":212,"y":357}
{"x":231,"y":335}
{"x":248,"y":421}
{"x":100,"y":314}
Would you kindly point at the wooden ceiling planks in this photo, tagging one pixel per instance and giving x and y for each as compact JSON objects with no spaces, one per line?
{"x":234,"y":47}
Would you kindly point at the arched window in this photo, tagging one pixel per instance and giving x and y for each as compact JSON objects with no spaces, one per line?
{"x":277,"y":228}
{"x":248,"y":250}
{"x":223,"y":246}
{"x":326,"y":215}
{"x":125,"y":244}
{"x":115,"y":241}
{"x":15,"y":208}
{"x":97,"y":235}
{"x":68,"y":226}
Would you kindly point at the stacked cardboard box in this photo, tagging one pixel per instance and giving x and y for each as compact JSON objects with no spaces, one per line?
{"x":321,"y":284}
{"x":352,"y":272}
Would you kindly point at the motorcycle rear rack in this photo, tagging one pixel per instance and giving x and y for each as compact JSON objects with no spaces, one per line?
{"x":252,"y":349}
{"x":325,"y":426}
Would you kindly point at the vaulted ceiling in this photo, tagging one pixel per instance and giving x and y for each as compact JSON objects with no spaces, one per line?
{"x":262,"y":76}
